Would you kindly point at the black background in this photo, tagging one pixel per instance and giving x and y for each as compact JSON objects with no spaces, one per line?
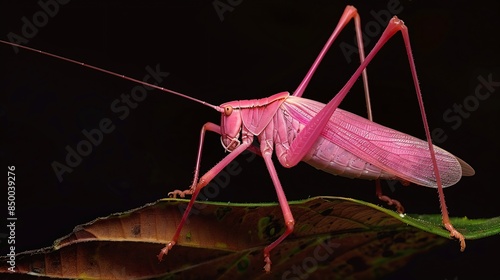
{"x":258,"y":49}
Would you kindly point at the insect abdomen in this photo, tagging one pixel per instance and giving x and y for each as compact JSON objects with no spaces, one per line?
{"x":335,"y":160}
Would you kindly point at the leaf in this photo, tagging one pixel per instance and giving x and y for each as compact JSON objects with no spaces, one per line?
{"x":333,"y":238}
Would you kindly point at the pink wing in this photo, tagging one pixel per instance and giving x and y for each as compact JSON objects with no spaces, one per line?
{"x":405,"y":156}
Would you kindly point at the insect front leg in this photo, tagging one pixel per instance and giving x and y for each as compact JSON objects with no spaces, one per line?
{"x":214,"y":128}
{"x":182,"y":193}
{"x":205,"y":179}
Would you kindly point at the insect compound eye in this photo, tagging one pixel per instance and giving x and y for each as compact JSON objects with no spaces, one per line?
{"x":228,"y":110}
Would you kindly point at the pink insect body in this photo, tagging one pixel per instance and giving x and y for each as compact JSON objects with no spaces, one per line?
{"x":355,"y":147}
{"x":323,"y":136}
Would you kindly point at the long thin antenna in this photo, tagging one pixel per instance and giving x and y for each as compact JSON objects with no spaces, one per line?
{"x":219,"y":109}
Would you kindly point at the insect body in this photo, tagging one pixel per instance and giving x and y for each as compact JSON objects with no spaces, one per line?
{"x":372,"y":152}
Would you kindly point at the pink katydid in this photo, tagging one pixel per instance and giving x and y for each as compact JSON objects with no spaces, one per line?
{"x":324,"y":136}
{"x":330,"y":139}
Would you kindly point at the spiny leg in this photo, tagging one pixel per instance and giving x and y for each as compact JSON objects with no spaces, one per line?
{"x":207,"y":127}
{"x":444,"y":211}
{"x":310,"y":133}
{"x":349,"y":13}
{"x":359,"y":38}
{"x":204,"y":180}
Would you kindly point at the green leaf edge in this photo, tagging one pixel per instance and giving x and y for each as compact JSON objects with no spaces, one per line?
{"x":432,"y":223}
